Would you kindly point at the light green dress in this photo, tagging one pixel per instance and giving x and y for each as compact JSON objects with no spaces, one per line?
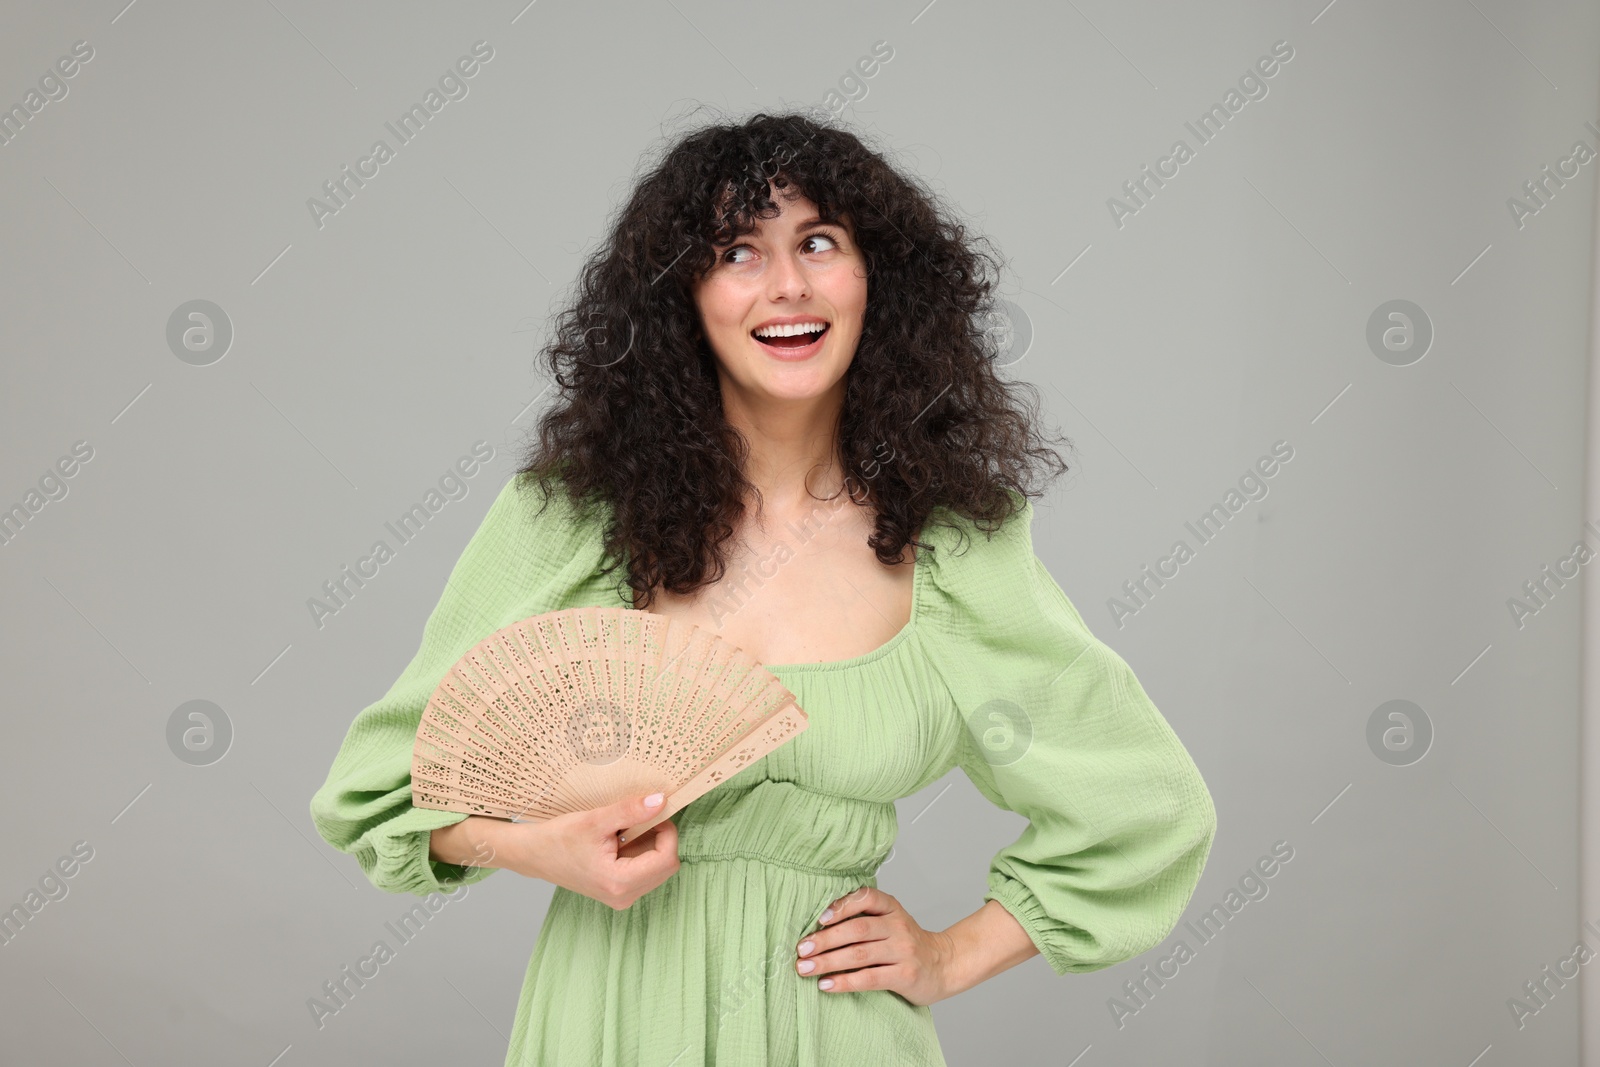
{"x":995,"y":672}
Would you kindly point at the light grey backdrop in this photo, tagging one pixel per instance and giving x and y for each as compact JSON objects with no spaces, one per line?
{"x":1176,"y":345}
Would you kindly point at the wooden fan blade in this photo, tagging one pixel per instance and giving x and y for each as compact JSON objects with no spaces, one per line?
{"x":574,"y":709}
{"x":778,"y":729}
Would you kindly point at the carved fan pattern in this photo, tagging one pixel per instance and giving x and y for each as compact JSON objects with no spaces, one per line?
{"x":572,"y":710}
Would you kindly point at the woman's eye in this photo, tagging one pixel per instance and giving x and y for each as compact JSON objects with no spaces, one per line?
{"x":829,"y":244}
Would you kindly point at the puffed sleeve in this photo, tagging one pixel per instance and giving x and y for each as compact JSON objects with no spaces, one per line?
{"x":364,"y":807}
{"x":1058,"y":730}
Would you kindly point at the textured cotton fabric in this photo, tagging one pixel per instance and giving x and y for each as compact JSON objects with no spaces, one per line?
{"x":996,"y":673}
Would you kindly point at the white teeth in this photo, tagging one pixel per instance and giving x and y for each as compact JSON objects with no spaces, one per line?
{"x":790,"y":330}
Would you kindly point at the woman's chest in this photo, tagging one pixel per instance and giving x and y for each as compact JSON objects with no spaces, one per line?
{"x":801,"y":595}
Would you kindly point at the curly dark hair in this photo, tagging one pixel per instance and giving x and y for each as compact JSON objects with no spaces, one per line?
{"x":927,"y":421}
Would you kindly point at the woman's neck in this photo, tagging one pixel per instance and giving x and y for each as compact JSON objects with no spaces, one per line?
{"x":793,"y":450}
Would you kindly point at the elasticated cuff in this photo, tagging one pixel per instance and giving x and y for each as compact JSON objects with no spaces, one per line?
{"x":399,"y":863}
{"x":1026,"y":909}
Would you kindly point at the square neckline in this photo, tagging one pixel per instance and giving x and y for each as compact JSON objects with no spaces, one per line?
{"x":900,"y":637}
{"x":882,"y":650}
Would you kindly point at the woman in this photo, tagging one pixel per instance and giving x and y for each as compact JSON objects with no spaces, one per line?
{"x":776,"y":386}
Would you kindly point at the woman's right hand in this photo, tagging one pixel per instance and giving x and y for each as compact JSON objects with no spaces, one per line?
{"x":579,"y":851}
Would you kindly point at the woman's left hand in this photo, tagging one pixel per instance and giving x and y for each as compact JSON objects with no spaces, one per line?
{"x":871,"y":942}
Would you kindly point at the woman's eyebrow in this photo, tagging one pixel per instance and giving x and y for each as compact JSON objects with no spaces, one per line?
{"x":815,"y":221}
{"x":812,"y":223}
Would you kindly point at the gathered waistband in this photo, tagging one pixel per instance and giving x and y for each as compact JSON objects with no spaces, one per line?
{"x":787,"y":824}
{"x":866,"y":871}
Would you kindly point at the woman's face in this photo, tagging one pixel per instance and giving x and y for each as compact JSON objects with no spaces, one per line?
{"x":794,"y":273}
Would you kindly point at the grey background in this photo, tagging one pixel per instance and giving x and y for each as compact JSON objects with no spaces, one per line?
{"x":368,"y":355}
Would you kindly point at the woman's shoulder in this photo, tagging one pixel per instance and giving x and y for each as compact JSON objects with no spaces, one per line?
{"x":962,"y":539}
{"x":998,"y":591}
{"x":979,"y":567}
{"x":539,"y":521}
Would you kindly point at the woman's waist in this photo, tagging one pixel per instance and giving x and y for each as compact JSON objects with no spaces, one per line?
{"x":787,"y":824}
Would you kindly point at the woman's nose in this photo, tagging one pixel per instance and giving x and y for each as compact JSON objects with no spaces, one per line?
{"x":788,"y":278}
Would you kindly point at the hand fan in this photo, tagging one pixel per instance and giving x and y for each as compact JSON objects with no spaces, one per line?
{"x":572,"y":710}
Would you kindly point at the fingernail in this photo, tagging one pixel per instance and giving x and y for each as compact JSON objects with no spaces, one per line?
{"x":826,"y":983}
{"x":826,"y":915}
{"x":652,"y":800}
{"x":806,"y":947}
{"x":807,"y":966}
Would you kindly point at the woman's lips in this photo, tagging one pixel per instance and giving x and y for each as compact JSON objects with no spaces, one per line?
{"x":790,"y":350}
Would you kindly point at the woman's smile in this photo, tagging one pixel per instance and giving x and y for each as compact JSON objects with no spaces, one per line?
{"x":793,"y":338}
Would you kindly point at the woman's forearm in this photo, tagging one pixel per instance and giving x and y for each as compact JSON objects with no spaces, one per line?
{"x":988,"y":941}
{"x":476,"y":841}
